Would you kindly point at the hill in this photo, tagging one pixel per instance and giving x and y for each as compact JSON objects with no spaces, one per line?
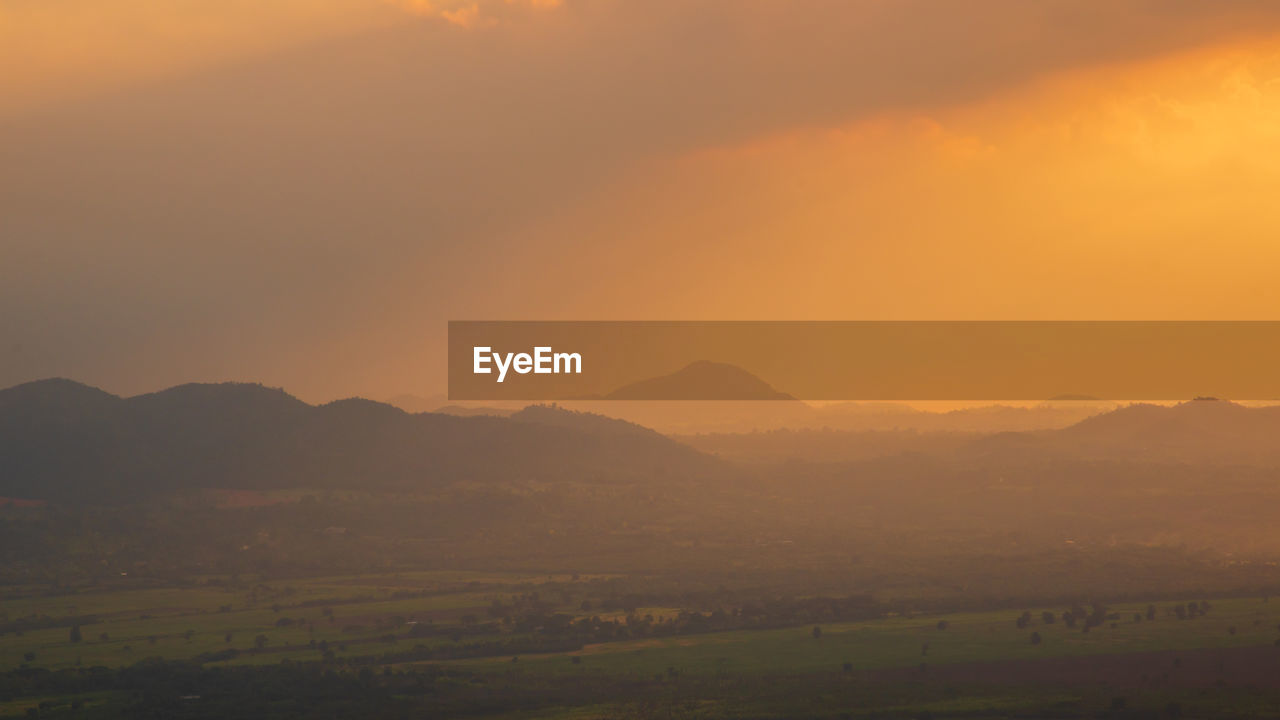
{"x":585,"y":422}
{"x":702,"y":380}
{"x":1197,"y":432}
{"x":64,"y":441}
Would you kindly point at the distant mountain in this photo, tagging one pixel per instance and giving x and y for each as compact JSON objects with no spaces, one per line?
{"x":685,"y":417}
{"x":440,"y":404}
{"x":586,"y":422}
{"x":474,"y":411}
{"x":63,"y":441}
{"x":1198,"y":432}
{"x":702,"y":380}
{"x":416,"y":403}
{"x":983,"y":419}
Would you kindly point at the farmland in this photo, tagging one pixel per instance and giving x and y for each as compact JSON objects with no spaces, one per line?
{"x":909,"y":642}
{"x":121,"y":627}
{"x":454,"y":631}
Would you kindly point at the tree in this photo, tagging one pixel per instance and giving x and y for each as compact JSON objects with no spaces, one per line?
{"x":817,"y":632}
{"x":1035,"y":638}
{"x":943,"y":624}
{"x":1097,"y":616}
{"x":260,"y":642}
{"x":1048,"y":617}
{"x":75,"y":634}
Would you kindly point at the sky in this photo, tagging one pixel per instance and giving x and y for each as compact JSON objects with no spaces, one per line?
{"x":302,"y":192}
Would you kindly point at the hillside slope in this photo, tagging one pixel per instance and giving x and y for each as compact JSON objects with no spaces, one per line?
{"x":63,"y":441}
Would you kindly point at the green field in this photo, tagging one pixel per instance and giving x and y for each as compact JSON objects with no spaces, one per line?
{"x":360,"y":611}
{"x":899,"y":642}
{"x":180,"y":623}
{"x":355,"y":625}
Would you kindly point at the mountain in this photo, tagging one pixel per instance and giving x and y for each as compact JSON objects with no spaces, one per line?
{"x":692,"y":417}
{"x":416,"y":403}
{"x":701,"y":380}
{"x":474,"y":411}
{"x":440,"y":404}
{"x":64,"y":441}
{"x":585,"y":422}
{"x":1196,"y":433}
{"x":1199,"y":431}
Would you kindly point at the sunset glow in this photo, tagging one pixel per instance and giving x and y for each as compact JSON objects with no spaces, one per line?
{"x":816,"y":176}
{"x":637,"y":359}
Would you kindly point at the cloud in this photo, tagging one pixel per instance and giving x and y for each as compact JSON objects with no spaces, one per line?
{"x":417,"y":7}
{"x":470,"y":15}
{"x":467,"y":16}
{"x":311,"y":216}
{"x":58,"y":51}
{"x":54,"y":52}
{"x":1137,"y":192}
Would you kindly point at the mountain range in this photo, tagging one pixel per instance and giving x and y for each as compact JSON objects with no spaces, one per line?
{"x":64,"y":441}
{"x":701,"y":380}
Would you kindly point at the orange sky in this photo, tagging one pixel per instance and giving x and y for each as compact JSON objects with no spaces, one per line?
{"x":302,"y":193}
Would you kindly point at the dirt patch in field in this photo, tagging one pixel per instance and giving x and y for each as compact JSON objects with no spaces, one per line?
{"x":597,"y":648}
{"x":631,"y":645}
{"x":20,"y":502}
{"x":231,"y":499}
{"x":370,"y":621}
{"x":150,"y":613}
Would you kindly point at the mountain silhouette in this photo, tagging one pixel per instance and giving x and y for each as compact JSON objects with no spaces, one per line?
{"x":586,"y":422}
{"x":63,"y":441}
{"x":1202,"y":431}
{"x":701,"y":380}
{"x":411,"y":403}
